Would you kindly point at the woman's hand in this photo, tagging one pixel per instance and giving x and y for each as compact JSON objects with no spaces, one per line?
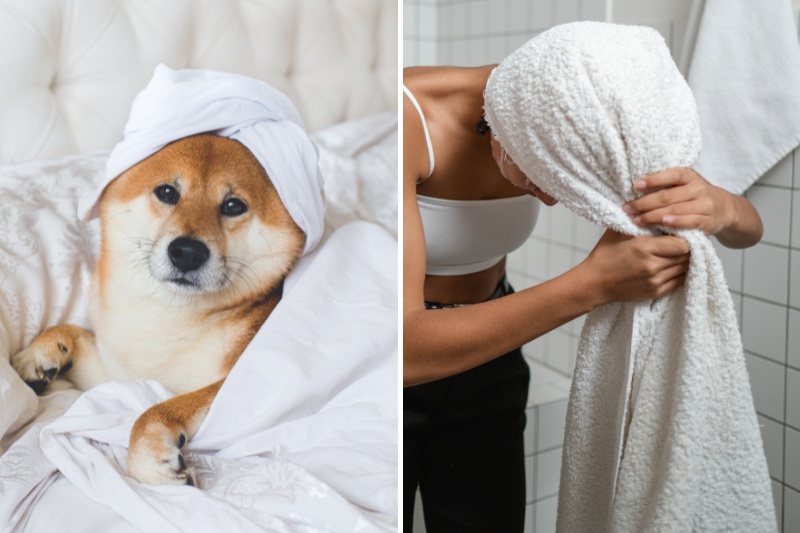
{"x":681,"y":198}
{"x":637,"y":268}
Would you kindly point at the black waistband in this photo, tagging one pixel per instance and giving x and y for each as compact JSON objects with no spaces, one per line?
{"x":503,"y":288}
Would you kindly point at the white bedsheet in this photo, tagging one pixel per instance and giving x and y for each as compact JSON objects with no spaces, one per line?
{"x":302,"y":436}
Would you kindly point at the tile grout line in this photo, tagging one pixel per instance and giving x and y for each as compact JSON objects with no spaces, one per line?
{"x":786,"y":359}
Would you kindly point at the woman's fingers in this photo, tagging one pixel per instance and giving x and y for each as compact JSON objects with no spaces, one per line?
{"x":680,"y":216}
{"x":667,"y":178}
{"x":680,"y":198}
{"x":670,"y":285}
{"x":635,"y":268}
{"x":670,"y":272}
{"x":668,"y":246}
{"x":665,"y":198}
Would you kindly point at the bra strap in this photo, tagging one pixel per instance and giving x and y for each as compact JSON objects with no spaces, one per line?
{"x":424,"y":127}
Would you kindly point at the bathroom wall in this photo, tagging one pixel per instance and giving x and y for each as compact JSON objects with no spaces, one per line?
{"x":764,"y":280}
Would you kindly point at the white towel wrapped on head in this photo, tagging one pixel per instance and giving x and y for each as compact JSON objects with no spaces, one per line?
{"x":661,"y":431}
{"x":179,"y":103}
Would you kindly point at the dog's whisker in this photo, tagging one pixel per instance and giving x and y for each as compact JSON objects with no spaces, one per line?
{"x":269,"y":245}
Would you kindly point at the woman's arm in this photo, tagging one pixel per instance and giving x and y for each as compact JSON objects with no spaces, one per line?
{"x":440,"y":343}
{"x":681,"y":198}
{"x":443,"y":342}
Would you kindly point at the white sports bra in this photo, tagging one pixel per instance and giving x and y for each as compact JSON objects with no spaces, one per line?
{"x":466,"y":236}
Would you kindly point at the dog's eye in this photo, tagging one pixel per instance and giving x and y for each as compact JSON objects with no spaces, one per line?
{"x":233,"y":207}
{"x":167,"y":194}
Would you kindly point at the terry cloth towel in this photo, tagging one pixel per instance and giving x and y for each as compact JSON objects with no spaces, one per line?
{"x":179,"y":103}
{"x":742,"y":59}
{"x":661,"y":430}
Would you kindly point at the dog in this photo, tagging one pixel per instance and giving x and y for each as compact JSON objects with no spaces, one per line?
{"x":196,"y":244}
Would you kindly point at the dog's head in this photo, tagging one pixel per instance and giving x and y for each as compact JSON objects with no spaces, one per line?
{"x":200,"y":218}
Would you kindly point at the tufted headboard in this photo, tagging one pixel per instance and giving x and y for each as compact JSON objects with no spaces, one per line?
{"x":69,"y":69}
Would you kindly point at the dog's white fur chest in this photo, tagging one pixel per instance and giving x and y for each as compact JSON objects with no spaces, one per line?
{"x":182,"y":356}
{"x":141,"y":338}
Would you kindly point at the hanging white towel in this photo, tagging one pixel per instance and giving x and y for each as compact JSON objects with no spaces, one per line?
{"x":661,"y":430}
{"x":742,"y":59}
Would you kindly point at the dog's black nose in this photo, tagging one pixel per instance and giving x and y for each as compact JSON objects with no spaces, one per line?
{"x":187,"y":254}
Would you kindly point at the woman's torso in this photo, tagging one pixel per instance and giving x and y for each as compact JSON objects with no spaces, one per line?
{"x":452,"y":199}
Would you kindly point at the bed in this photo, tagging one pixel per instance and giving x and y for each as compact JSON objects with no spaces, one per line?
{"x":303,"y":435}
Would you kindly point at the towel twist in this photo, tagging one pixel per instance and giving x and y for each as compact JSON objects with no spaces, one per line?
{"x":179,"y":103}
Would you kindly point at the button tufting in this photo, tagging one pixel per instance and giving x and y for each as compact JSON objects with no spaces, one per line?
{"x":110,"y":49}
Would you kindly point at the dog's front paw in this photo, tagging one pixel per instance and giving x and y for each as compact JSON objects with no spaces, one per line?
{"x":154,"y":455}
{"x":41,"y":362}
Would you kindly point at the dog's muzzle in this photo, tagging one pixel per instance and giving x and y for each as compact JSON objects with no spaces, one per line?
{"x":188,"y":254}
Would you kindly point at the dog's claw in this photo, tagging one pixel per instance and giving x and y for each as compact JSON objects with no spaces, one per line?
{"x":151,"y":459}
{"x":182,"y":464}
{"x":38,"y":385}
{"x":40,"y":363}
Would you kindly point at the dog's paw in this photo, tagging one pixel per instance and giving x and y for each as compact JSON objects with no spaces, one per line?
{"x":155,"y":457}
{"x":40,"y":363}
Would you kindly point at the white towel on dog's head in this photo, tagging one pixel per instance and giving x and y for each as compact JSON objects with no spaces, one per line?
{"x":661,"y":431}
{"x":179,"y":103}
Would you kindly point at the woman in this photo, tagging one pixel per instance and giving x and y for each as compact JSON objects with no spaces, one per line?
{"x":465,"y":206}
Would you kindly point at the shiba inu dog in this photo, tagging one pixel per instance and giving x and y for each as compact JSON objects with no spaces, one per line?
{"x":196,"y":243}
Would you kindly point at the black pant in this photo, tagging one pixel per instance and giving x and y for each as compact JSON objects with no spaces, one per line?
{"x":463,"y":447}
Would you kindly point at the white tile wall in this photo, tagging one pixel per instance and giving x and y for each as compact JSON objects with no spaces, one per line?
{"x":794,"y":271}
{"x":547,"y":411}
{"x":767,"y":381}
{"x":764,"y":281}
{"x":551,"y":423}
{"x":792,"y":467}
{"x":732,"y":262}
{"x":777,"y":495}
{"x":567,"y":11}
{"x":771,"y":329}
{"x":772,"y":435}
{"x":530,"y":480}
{"x":766,"y":273}
{"x":545,"y":515}
{"x":428,"y":23}
{"x":548,"y":470}
{"x":775,"y":206}
{"x":791,"y":511}
{"x":764,"y":328}
{"x":796,"y":219}
{"x":793,"y":398}
{"x":542,"y":14}
{"x":793,"y":355}
{"x":780,"y":175}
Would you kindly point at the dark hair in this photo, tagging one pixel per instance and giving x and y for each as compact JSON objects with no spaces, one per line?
{"x":482,"y":127}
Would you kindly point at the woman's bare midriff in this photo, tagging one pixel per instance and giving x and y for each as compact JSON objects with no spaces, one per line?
{"x":465,"y":289}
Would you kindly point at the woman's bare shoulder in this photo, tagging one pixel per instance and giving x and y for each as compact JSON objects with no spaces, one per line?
{"x":437,"y":81}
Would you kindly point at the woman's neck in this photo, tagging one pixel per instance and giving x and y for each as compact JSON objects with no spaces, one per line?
{"x":456,"y":92}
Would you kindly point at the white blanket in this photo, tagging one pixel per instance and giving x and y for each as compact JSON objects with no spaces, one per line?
{"x":302,"y":437}
{"x":661,"y":430}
